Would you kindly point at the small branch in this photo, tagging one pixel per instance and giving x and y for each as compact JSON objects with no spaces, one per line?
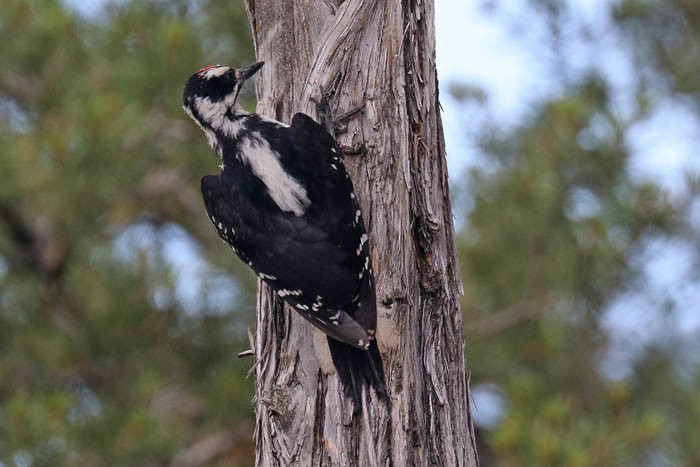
{"x":162,"y":182}
{"x":210,"y":448}
{"x":503,"y":320}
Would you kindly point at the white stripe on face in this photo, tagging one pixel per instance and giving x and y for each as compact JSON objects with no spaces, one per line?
{"x":214,"y":114}
{"x":215,"y":71}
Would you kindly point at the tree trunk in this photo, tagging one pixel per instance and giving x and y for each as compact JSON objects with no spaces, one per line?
{"x":381,"y":54}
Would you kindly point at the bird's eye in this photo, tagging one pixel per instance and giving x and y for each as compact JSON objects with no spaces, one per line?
{"x":230,"y":74}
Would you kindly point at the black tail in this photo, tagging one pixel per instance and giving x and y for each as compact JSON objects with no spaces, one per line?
{"x":357,"y":368}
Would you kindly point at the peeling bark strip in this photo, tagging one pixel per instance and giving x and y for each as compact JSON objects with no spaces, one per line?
{"x":380,"y":53}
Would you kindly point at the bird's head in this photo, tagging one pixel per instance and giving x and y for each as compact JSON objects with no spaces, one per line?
{"x":211,"y":93}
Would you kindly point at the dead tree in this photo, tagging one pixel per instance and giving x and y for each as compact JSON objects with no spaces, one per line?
{"x":380,"y":54}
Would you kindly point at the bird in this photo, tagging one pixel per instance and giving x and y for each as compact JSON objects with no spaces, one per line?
{"x":285,"y":204}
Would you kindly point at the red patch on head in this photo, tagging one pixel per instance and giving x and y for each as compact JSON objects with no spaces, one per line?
{"x":207,"y":68}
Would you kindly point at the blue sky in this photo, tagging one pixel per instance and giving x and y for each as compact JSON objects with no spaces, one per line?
{"x":500,"y":51}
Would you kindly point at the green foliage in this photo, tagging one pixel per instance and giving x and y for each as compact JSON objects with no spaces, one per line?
{"x":553,"y":238}
{"x":100,"y":362}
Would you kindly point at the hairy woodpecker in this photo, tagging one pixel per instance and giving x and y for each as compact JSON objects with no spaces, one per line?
{"x":285,"y":204}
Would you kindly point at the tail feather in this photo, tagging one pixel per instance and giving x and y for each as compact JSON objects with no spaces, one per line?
{"x":357,"y":367}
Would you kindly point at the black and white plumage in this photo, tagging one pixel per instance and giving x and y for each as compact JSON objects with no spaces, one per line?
{"x":285,"y":204}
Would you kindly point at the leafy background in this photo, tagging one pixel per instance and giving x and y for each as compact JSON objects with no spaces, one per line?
{"x":121,"y":313}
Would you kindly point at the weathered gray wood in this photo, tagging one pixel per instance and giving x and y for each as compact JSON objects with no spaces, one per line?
{"x":382,"y":54}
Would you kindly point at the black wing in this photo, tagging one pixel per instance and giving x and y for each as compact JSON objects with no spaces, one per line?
{"x":318,"y":262}
{"x":342,"y":218}
{"x":296,"y":258}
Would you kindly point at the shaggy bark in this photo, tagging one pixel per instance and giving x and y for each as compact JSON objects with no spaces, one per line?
{"x":380,"y":54}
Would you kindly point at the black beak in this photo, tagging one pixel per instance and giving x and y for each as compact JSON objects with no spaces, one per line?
{"x":244,"y":73}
